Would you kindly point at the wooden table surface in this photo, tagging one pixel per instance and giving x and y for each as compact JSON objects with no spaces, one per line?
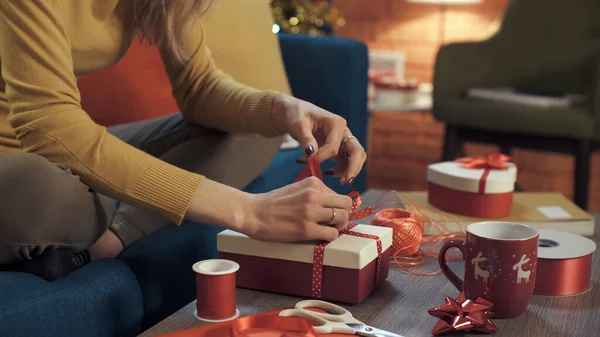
{"x":400,"y":305}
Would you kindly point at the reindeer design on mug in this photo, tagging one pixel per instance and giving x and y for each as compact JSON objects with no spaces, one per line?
{"x":522,"y":274}
{"x":484,"y":274}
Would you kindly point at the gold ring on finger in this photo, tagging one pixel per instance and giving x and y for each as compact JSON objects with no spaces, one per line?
{"x":332,"y":217}
{"x":344,"y":143}
{"x":346,"y":139}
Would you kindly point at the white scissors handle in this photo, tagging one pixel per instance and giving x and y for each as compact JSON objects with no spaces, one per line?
{"x":336,"y":313}
{"x":323,"y":326}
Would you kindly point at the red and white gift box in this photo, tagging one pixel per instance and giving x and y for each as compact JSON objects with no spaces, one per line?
{"x":480,"y":187}
{"x":346,"y":270}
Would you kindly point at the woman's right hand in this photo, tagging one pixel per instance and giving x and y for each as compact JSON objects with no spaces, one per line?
{"x":298,"y":212}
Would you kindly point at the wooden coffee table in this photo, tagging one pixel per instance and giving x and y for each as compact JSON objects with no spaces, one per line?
{"x":400,"y":305}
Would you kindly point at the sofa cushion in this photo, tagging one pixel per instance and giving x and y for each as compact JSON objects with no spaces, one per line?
{"x":510,"y":117}
{"x":102,"y":299}
{"x":163,"y":263}
{"x":257,"y":61}
{"x":137,"y":87}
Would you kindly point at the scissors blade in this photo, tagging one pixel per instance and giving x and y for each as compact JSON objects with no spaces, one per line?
{"x":369,"y":331}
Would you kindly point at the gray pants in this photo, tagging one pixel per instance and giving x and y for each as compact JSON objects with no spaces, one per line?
{"x":45,"y":206}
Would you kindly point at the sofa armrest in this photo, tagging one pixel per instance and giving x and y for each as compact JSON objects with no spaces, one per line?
{"x":101,"y":299}
{"x":594,"y":95}
{"x":331,"y":73}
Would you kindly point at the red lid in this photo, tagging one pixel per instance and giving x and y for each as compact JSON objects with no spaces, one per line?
{"x":396,"y":84}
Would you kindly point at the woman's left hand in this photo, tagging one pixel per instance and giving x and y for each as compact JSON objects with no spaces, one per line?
{"x":322,"y":133}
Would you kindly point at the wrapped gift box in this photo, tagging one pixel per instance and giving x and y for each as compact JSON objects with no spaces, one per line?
{"x":481,"y":191}
{"x":352,"y":266}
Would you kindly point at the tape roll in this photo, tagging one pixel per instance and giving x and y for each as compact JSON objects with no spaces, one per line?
{"x":564,"y":265}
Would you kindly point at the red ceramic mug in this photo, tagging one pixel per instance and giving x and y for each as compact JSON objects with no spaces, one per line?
{"x":500,"y":265}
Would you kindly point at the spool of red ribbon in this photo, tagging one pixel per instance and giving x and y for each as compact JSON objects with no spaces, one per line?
{"x":216,"y":290}
{"x":564,"y":264}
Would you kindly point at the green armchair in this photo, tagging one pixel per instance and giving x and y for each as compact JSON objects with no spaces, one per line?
{"x":544,"y":47}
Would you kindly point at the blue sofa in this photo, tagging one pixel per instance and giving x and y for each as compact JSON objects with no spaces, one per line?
{"x":153,"y":278}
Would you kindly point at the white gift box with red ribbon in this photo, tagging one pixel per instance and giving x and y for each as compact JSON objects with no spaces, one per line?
{"x":480,"y":187}
{"x":347,"y":269}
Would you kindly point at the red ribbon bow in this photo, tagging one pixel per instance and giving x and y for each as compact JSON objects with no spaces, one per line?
{"x":495,"y":161}
{"x":463,"y":314}
{"x":314,"y":168}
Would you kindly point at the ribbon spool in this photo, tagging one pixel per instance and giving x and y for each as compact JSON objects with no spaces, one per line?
{"x":564,"y":265}
{"x":216,"y":290}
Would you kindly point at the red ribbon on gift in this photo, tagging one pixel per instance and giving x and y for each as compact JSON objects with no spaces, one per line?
{"x":314,"y":168}
{"x":495,"y":161}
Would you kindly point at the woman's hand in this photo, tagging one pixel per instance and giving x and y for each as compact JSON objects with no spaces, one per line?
{"x":306,"y":210}
{"x":322,"y":132}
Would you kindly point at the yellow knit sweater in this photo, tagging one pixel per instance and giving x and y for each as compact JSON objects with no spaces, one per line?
{"x":46,"y":44}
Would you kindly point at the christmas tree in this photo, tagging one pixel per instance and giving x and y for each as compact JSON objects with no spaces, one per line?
{"x":312,"y":17}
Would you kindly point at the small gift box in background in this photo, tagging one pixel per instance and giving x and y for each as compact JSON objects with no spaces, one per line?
{"x":480,"y":187}
{"x":346,"y":270}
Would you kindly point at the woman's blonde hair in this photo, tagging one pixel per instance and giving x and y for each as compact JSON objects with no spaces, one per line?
{"x":164,"y":22}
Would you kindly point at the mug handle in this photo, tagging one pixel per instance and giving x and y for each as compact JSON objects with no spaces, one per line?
{"x":460,"y":244}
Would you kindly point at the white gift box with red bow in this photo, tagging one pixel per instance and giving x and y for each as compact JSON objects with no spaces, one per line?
{"x":480,"y":187}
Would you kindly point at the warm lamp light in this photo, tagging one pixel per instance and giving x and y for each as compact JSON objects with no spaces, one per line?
{"x":446,"y":2}
{"x":443,"y":4}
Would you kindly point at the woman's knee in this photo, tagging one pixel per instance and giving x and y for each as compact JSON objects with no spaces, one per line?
{"x":44,"y":203}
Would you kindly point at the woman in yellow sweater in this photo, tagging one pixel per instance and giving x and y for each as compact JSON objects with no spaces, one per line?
{"x":73,"y":190}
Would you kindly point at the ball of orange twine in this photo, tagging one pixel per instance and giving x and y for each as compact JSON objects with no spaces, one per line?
{"x":409,"y":247}
{"x":408,"y":231}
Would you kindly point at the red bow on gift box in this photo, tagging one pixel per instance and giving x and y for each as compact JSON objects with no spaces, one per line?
{"x":314,"y":168}
{"x":495,"y":161}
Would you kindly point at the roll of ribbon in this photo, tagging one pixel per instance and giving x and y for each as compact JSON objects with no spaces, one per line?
{"x":216,"y":290}
{"x":564,"y":264}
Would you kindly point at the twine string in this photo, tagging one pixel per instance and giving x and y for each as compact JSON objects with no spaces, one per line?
{"x":410,"y":248}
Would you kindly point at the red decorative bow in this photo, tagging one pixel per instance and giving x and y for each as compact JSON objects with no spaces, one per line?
{"x":495,"y":161}
{"x":463,"y":314}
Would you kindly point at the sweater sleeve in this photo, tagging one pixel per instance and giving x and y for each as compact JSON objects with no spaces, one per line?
{"x":207,"y":96}
{"x":46,"y":113}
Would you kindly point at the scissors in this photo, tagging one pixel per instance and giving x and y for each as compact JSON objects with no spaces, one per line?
{"x":338,"y":320}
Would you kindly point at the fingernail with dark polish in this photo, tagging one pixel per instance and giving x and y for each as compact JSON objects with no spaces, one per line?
{"x":328,"y":173}
{"x":309,"y":150}
{"x":351,"y":181}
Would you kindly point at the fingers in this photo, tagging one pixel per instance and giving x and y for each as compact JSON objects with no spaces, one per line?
{"x":324,"y":196}
{"x":335,"y":217}
{"x":302,"y":132}
{"x":335,"y":200}
{"x":356,"y":159}
{"x":334,"y":127}
{"x":320,"y":232}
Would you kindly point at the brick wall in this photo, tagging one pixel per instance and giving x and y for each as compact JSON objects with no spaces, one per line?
{"x":415,"y":28}
{"x":403,"y":144}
